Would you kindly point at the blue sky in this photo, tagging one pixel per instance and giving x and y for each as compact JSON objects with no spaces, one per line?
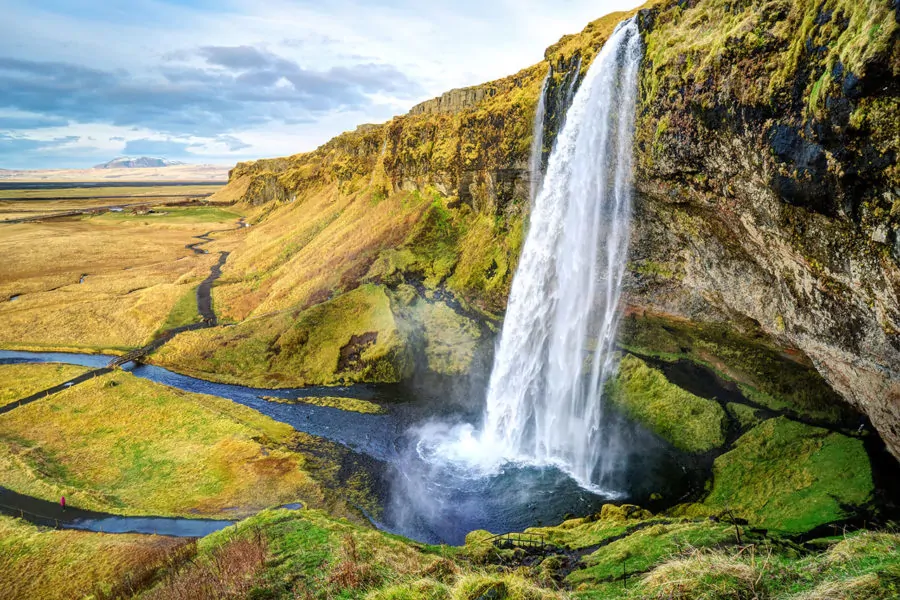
{"x":220,"y":81}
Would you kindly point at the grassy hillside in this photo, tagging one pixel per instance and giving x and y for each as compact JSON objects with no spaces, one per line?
{"x":60,"y":565}
{"x":122,"y":444}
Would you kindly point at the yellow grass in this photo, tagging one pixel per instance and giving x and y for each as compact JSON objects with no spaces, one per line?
{"x":348,"y":404}
{"x":136,"y":273}
{"x":122,"y":444}
{"x":60,"y":565}
{"x":309,"y":248}
{"x":18,"y":381}
{"x":117,"y":191}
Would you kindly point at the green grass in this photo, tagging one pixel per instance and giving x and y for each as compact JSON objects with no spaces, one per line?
{"x":18,"y":381}
{"x":642,"y":549}
{"x":689,"y":422}
{"x":122,"y":444}
{"x":184,"y":312}
{"x":791,"y":477}
{"x":172,"y":215}
{"x":348,"y":404}
{"x":860,"y":565}
{"x":314,"y":556}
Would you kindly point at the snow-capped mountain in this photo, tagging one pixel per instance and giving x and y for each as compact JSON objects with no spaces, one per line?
{"x":128,"y":162}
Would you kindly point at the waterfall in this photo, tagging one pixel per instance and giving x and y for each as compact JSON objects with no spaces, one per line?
{"x":554,"y":355}
{"x":537,"y":141}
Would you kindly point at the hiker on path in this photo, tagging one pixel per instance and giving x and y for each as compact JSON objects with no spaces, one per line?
{"x":62,"y":502}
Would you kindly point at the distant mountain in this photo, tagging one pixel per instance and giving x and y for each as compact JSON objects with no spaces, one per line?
{"x":144,"y":162}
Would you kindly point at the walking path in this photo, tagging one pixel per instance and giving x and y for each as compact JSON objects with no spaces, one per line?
{"x":51,"y":514}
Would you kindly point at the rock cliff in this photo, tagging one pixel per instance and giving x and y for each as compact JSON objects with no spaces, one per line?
{"x":768,"y":182}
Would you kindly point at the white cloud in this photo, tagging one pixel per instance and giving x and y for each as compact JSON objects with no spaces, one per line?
{"x":437,"y":45}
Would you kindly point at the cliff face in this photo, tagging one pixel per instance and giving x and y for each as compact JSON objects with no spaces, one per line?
{"x":768,"y":182}
{"x":767,"y":224}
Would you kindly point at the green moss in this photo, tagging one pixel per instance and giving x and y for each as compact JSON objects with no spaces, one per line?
{"x":744,"y":415}
{"x":764,"y":373}
{"x":353,"y":337}
{"x":662,"y":270}
{"x":184,"y":312}
{"x":687,"y":421}
{"x":791,"y":477}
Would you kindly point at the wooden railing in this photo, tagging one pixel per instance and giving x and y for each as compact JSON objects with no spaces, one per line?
{"x":531,"y":541}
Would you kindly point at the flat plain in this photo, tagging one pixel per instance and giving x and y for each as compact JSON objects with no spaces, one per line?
{"x":100,"y":282}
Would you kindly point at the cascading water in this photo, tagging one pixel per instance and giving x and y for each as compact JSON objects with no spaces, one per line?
{"x":537,"y":141}
{"x":554,"y":355}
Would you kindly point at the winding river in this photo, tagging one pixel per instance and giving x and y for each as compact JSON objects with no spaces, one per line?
{"x":423,"y":501}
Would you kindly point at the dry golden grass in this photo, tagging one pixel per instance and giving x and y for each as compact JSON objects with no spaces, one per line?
{"x":60,"y":565}
{"x":122,"y":444}
{"x":137,"y":192}
{"x":136,"y":272}
{"x":308,"y":248}
{"x":18,"y":381}
{"x":229,"y":571}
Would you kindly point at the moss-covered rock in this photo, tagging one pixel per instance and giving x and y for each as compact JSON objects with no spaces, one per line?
{"x":689,"y":422}
{"x":353,"y":337}
{"x":623,"y":512}
{"x":791,"y":477}
{"x":766,"y":374}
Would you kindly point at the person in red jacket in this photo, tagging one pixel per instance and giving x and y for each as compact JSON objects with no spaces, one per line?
{"x":62,"y":502}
